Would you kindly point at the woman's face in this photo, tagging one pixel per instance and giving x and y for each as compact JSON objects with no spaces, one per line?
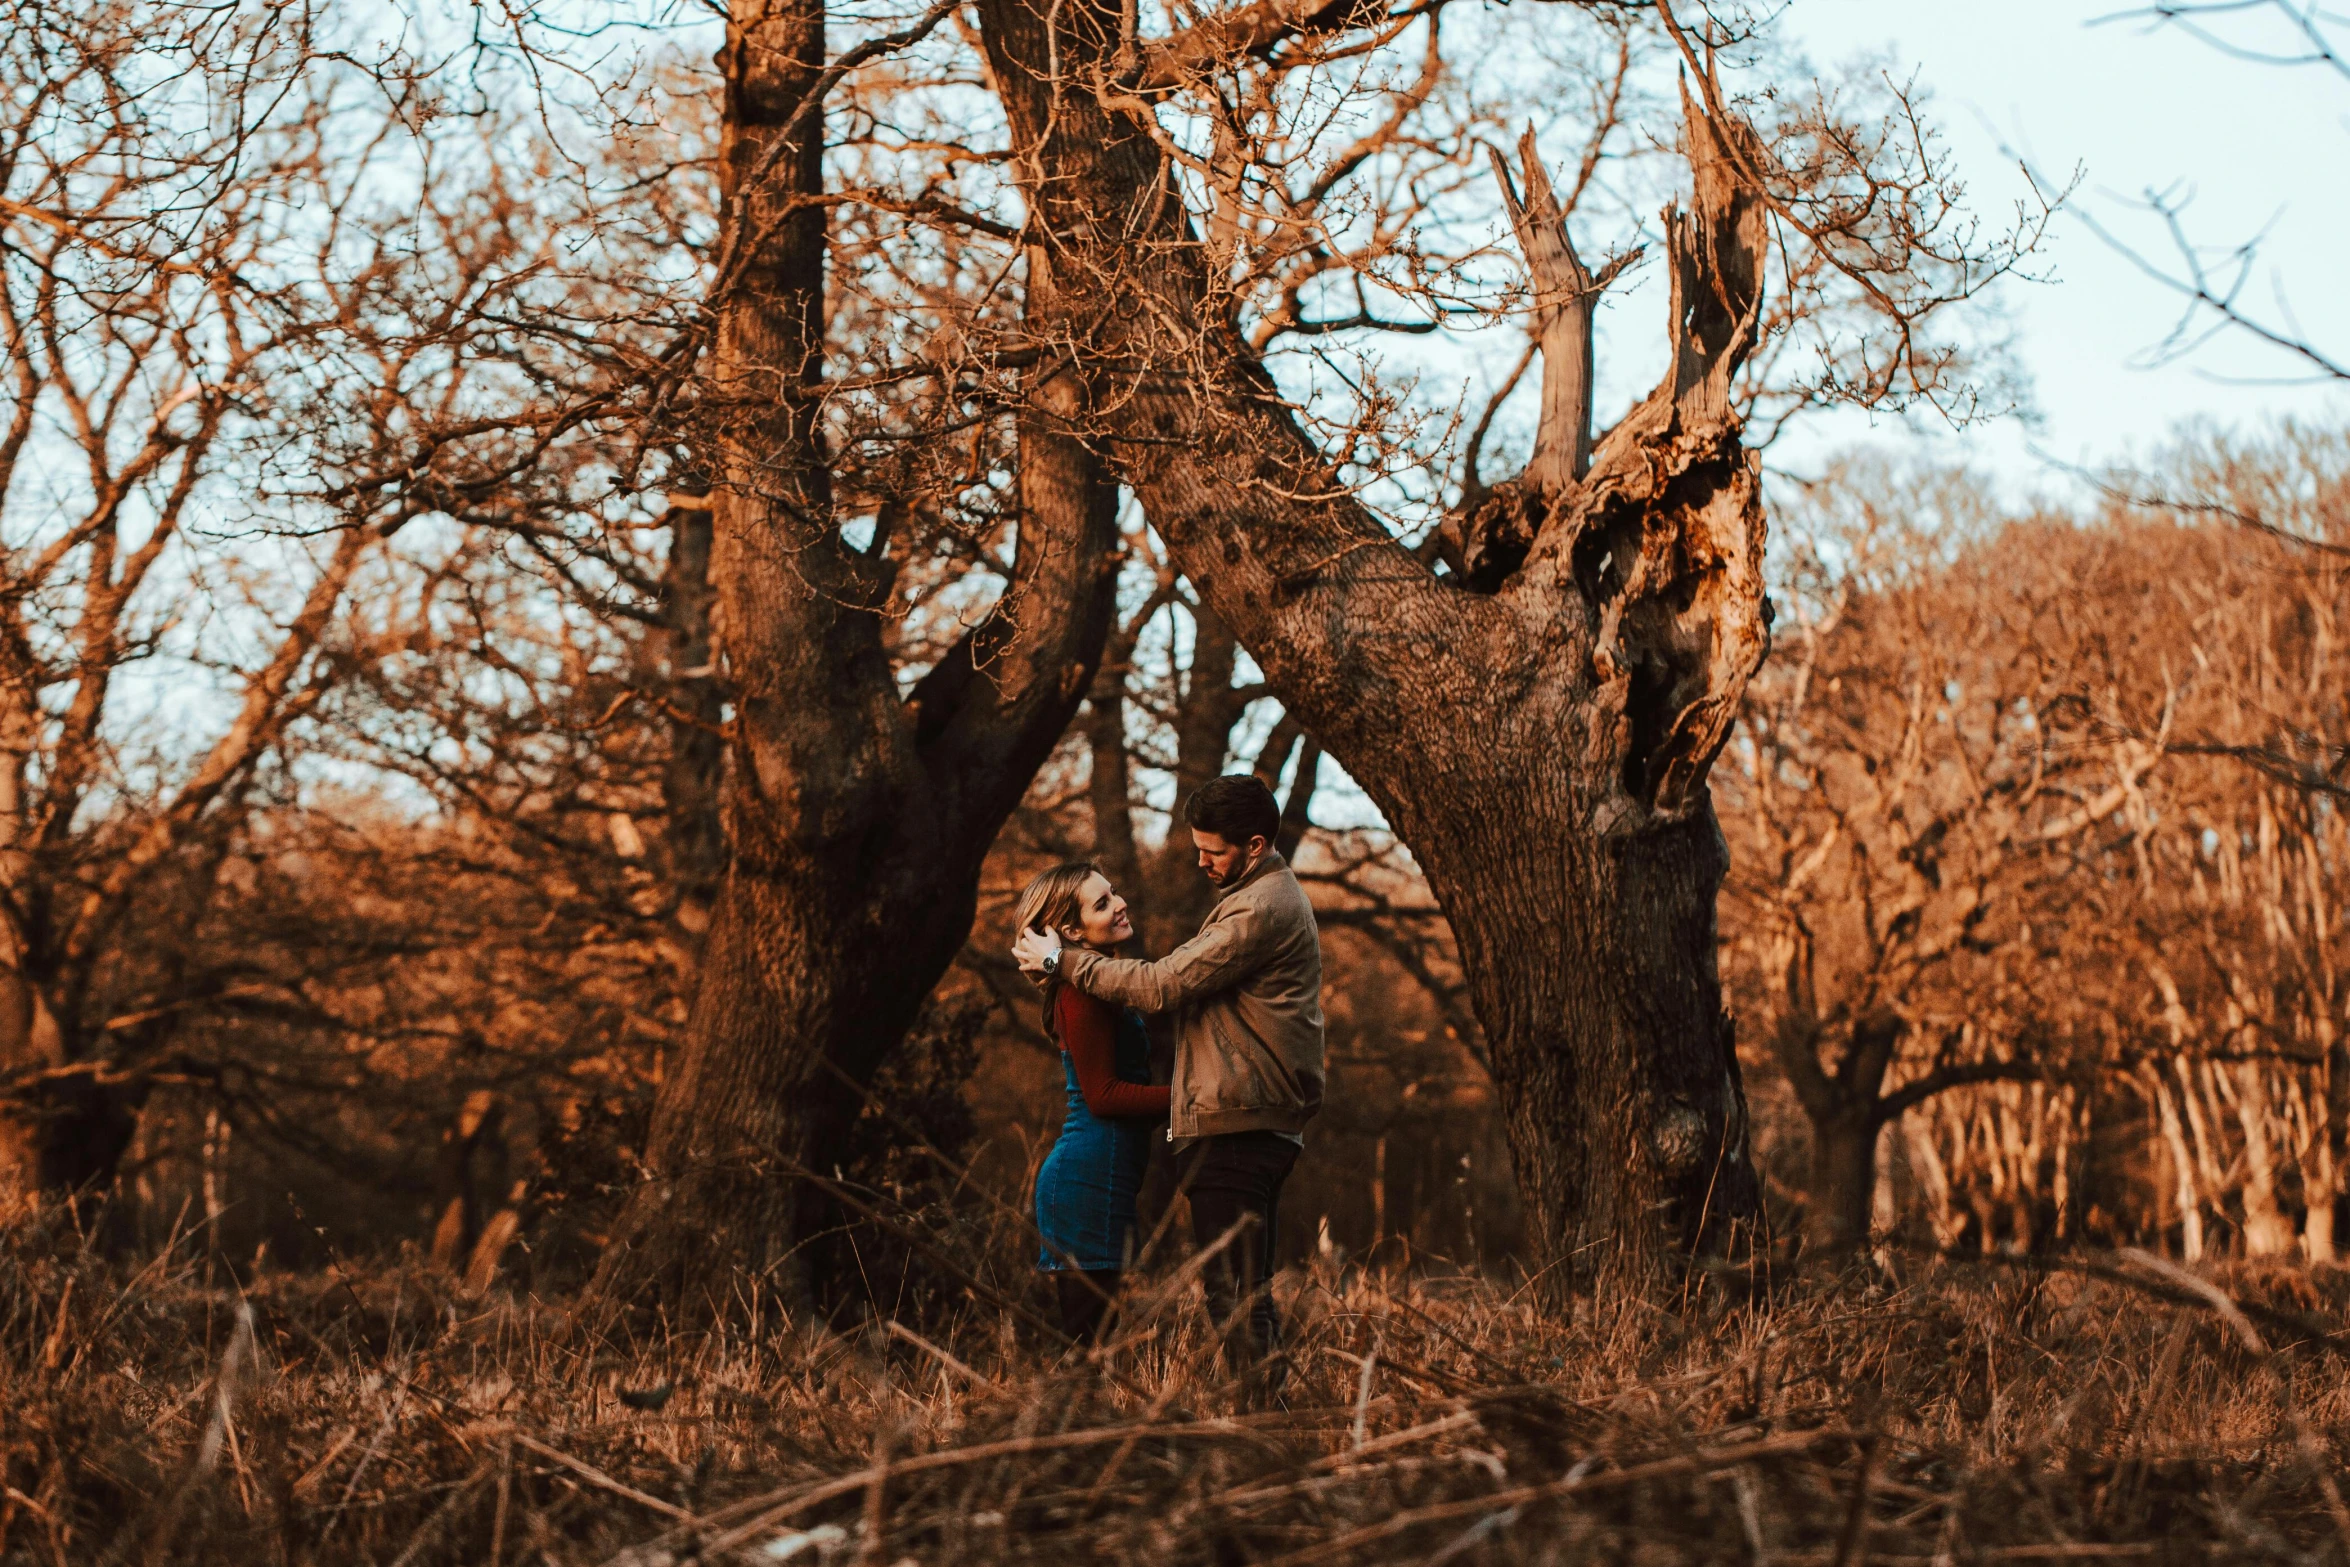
{"x":1101,"y":915}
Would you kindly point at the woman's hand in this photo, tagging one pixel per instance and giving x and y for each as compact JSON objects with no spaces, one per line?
{"x":1032,"y":948}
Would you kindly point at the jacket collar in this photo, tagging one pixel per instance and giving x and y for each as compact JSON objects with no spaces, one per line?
{"x":1270,"y":863}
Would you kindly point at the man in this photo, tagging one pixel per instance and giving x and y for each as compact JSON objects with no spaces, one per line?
{"x":1246,"y":993}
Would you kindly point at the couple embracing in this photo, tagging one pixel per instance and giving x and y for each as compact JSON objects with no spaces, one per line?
{"x":1246,"y":997}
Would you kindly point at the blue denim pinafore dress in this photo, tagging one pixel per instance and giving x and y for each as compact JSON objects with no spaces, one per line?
{"x":1085,"y":1190}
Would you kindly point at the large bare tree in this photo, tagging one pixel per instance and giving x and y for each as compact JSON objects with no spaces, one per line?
{"x":1536,"y":721}
{"x":857,"y":810}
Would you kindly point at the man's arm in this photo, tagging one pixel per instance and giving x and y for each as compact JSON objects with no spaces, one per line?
{"x":1216,"y":959}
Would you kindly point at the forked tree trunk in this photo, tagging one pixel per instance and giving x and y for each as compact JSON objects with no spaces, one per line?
{"x":1847,"y":1112}
{"x":1538,"y":726}
{"x":857,"y":820}
{"x":1839,"y":1071}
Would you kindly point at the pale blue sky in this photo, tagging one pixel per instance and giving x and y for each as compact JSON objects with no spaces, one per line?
{"x":2138,"y":107}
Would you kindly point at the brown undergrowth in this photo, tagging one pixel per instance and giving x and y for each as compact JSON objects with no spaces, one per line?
{"x":2104,"y":1409}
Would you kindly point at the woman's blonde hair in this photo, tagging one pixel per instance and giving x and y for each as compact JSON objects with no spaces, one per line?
{"x":1050,"y":903}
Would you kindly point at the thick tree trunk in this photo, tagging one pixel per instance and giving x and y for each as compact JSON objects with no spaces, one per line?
{"x":1592,"y":962}
{"x":1536,"y":727}
{"x":806,"y":963}
{"x":30,"y":1052}
{"x":2267,"y":1232}
{"x":29,"y":1043}
{"x":857,"y":819}
{"x":1843,"y":1182}
{"x":853,"y":884}
{"x":1845,"y":1106}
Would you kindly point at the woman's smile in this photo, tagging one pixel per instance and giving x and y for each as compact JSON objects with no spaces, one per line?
{"x":1101,"y":921}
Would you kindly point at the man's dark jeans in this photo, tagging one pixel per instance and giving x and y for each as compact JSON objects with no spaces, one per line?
{"x":1235,"y":1178}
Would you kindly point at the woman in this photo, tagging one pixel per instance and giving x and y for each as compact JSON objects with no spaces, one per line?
{"x":1085,"y":1190}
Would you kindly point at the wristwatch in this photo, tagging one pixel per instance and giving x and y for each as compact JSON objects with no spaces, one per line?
{"x":1052,"y":962}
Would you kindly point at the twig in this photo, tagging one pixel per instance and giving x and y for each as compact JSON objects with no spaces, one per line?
{"x":899,"y":1330}
{"x":2220,"y":1300}
{"x":1850,"y":1548}
{"x":1363,"y":1395}
{"x":505,"y":1490}
{"x":876,"y":1520}
{"x":1395,"y":1439}
{"x":597,"y":1476}
{"x":780,"y":1506}
{"x":1572,"y":1485}
{"x":2175,"y":1284}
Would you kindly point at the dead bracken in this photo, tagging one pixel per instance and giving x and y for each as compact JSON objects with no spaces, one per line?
{"x":2099,"y":1410}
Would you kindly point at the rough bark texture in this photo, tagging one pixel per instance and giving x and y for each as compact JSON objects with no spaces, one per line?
{"x":857,"y":819}
{"x":1541,"y":745}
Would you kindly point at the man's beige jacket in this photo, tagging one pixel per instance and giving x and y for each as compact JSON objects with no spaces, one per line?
{"x":1246,"y":993}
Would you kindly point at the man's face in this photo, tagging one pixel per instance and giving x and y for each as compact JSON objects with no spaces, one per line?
{"x":1223,"y":861}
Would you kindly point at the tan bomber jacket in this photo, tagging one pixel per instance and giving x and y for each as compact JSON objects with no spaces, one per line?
{"x":1246,"y":993}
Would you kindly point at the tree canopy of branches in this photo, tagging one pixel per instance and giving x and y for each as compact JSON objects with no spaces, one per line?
{"x":182,"y":327}
{"x":763,"y":428}
{"x":1927,"y":782}
{"x":1536,"y":715}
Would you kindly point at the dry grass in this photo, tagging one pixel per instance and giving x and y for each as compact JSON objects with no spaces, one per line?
{"x":1969,"y":1413}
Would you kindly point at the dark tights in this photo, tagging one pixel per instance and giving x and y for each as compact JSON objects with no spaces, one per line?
{"x":1085,"y":1302}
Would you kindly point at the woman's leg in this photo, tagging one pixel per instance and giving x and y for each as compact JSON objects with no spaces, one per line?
{"x":1085,"y":1301}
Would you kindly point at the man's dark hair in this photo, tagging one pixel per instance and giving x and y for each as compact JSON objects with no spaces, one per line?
{"x":1235,"y":807}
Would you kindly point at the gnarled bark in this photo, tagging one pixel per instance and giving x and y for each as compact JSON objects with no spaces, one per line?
{"x":1537,"y":727}
{"x":857,"y":819}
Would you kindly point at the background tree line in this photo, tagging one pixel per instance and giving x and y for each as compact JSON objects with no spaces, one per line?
{"x":2029,"y":933}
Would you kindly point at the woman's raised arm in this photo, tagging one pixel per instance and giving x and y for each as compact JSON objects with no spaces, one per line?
{"x":1089,"y":1032}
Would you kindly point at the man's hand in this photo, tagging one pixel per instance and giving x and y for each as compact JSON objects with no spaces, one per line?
{"x":1033,"y":947}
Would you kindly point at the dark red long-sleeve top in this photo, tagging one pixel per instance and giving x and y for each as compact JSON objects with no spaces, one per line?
{"x":1089,"y":1033}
